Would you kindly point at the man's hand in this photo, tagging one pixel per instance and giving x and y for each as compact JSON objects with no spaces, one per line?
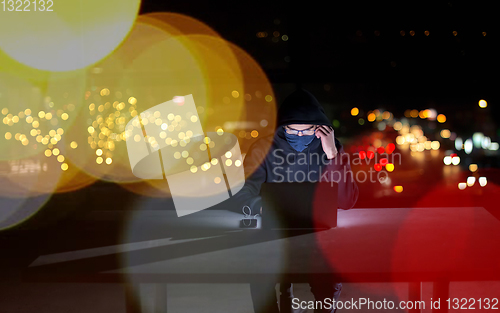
{"x":327,"y":140}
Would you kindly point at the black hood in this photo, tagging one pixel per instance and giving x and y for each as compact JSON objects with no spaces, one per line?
{"x":301,"y":107}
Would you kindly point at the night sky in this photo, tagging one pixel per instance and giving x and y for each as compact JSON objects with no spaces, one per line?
{"x":353,"y":53}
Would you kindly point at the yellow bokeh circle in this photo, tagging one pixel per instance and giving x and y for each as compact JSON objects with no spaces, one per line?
{"x":65,"y":35}
{"x":149,"y":68}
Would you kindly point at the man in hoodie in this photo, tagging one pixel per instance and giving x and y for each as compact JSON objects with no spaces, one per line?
{"x":303,"y":129}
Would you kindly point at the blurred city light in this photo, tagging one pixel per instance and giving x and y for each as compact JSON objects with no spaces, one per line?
{"x":431,"y":114}
{"x":445,"y":133}
{"x":471,"y":180}
{"x":447,"y":160}
{"x":486,"y":142}
{"x":458,"y":143}
{"x":400,"y":140}
{"x":428,"y":145}
{"x":473,"y":167}
{"x":483,"y":104}
{"x":482,"y":181}
{"x":468,"y":146}
{"x":389,"y":167}
{"x":477,"y":139}
{"x":387,"y":115}
{"x":462,"y":186}
{"x":398,"y":188}
{"x":435,"y":145}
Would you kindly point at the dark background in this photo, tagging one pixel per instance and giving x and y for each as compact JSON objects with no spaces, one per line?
{"x":357,"y":49}
{"x":353,"y":54}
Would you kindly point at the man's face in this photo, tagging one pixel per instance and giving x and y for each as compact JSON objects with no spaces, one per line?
{"x":300,"y":129}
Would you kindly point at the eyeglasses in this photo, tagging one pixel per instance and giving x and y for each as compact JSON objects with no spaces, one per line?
{"x":305,"y":132}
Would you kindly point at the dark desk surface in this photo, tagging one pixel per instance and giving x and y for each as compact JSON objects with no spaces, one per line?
{"x":397,"y":244}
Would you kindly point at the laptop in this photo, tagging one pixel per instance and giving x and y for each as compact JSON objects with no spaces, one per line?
{"x":299,"y":205}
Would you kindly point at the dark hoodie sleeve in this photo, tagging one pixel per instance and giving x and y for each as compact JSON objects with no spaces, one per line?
{"x":256,"y":174}
{"x":339,"y":170}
